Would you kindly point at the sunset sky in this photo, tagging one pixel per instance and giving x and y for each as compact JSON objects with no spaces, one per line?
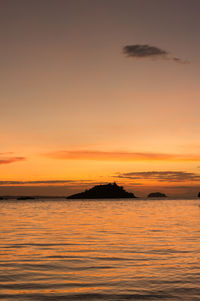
{"x":96,"y":91}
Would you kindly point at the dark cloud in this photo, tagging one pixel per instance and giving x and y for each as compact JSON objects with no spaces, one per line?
{"x":143,"y":51}
{"x":147,"y":51}
{"x":161,"y":176}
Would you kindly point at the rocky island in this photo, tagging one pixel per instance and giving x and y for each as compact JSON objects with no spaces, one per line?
{"x":108,"y":191}
{"x":156,"y":195}
{"x":23,"y":198}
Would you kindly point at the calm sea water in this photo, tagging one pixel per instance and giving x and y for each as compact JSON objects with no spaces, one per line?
{"x":100,"y":250}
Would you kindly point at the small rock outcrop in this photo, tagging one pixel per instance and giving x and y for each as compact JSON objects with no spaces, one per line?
{"x":156,"y":195}
{"x":23,"y":198}
{"x":108,"y":191}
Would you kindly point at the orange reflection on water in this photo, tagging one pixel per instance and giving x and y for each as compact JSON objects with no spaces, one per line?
{"x":69,"y":247}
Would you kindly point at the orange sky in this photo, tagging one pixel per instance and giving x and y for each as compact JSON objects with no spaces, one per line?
{"x":76,"y":108}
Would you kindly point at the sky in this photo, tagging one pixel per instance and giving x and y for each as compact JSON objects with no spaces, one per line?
{"x":97,"y":91}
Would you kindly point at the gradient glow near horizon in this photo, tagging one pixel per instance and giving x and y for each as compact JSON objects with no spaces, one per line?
{"x":78,"y":108}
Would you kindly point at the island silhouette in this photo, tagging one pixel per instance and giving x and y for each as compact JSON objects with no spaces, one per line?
{"x":23,"y":198}
{"x":156,"y":195}
{"x":108,"y":191}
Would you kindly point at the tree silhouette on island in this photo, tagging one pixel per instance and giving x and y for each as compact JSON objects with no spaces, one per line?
{"x":108,"y":191}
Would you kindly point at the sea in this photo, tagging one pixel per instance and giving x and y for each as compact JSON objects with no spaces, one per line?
{"x":59,"y":249}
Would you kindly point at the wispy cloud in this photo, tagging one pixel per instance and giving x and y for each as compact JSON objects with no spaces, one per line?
{"x":119,"y":156}
{"x":6,"y":153}
{"x":52,"y":182}
{"x":70,"y":183}
{"x":161,"y":176}
{"x":7,"y":158}
{"x":147,"y":51}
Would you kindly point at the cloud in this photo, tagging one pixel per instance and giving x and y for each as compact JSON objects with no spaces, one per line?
{"x":119,"y":156}
{"x":161,"y":176}
{"x":147,"y":51}
{"x":51,"y":182}
{"x":5,"y":158}
{"x":6,"y":153}
{"x":2,"y":183}
{"x":143,"y":51}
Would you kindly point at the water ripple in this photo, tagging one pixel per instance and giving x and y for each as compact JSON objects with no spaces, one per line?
{"x":100,"y":250}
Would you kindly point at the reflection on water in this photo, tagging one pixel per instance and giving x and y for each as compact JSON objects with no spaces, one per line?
{"x":100,"y":250}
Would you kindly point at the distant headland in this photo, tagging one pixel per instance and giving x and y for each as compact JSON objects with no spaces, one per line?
{"x":157,"y":195}
{"x":24,"y":198}
{"x":108,"y":191}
